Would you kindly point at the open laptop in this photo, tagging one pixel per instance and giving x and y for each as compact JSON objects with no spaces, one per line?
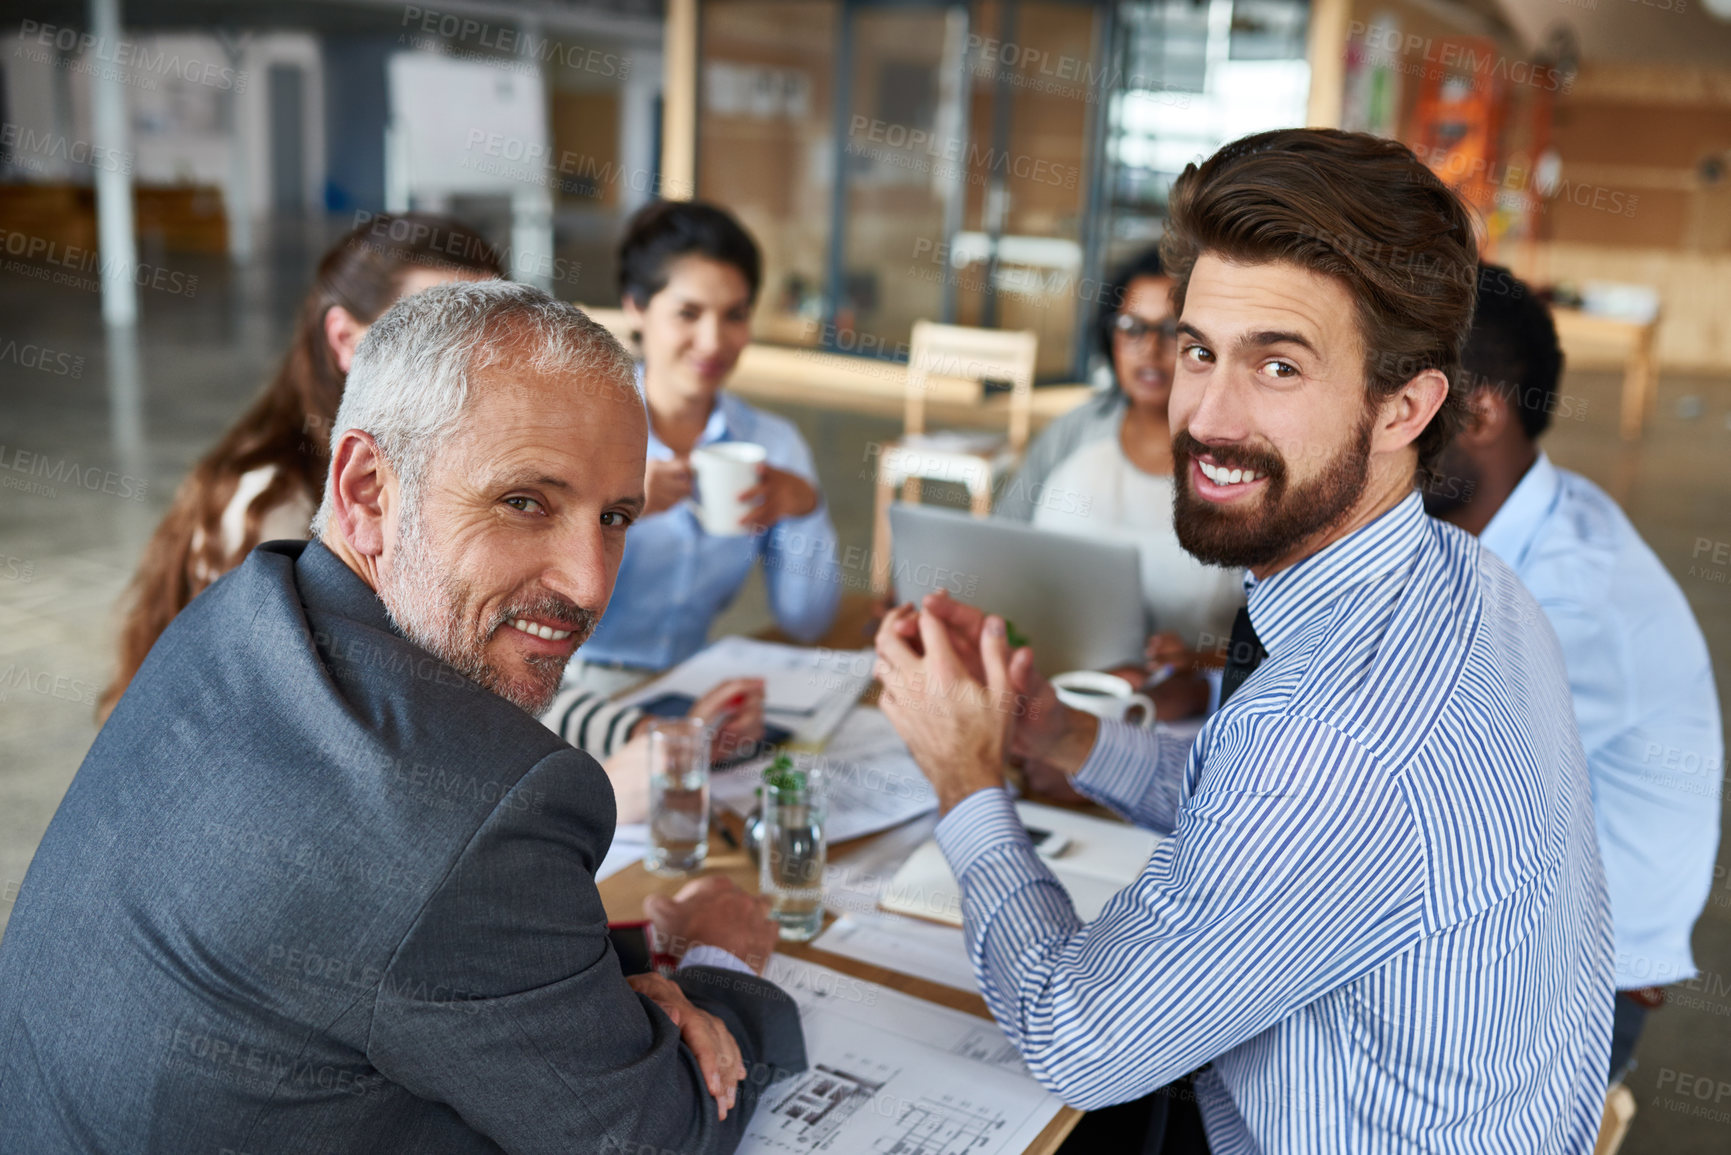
{"x":1077,"y":600}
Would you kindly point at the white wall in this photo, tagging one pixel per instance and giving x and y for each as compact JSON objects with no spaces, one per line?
{"x":188,"y":106}
{"x":253,"y":115}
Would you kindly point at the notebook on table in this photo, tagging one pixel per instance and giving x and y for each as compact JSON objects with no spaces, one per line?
{"x":1099,"y":857}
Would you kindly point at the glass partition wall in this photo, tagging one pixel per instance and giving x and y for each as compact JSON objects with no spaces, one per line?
{"x":1195,"y":74}
{"x":980,"y":163}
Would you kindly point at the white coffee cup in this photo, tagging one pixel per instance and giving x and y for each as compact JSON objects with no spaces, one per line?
{"x":1105,"y":696}
{"x":725,"y":469}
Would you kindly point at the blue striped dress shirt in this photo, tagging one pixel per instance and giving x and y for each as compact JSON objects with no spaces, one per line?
{"x":1380,"y":915}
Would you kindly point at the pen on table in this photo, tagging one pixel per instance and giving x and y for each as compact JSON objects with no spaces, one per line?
{"x":726,"y":712}
{"x":1164,"y":673}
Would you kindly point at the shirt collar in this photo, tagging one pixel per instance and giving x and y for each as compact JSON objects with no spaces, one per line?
{"x":1512,"y":527}
{"x":718,"y":428}
{"x":1283,"y":604}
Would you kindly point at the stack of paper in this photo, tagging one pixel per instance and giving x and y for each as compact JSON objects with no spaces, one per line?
{"x":870,"y":780}
{"x":908,"y":946}
{"x":808,"y":691}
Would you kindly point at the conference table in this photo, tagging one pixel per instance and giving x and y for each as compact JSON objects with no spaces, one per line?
{"x":623,"y":893}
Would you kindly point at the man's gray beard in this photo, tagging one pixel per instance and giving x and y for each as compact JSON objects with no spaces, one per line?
{"x":425,"y":603}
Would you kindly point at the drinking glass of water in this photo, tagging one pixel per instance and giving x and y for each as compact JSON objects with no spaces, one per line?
{"x":678,"y":795}
{"x":792,"y":858}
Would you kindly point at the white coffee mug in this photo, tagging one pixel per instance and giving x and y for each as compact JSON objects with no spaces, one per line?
{"x":725,"y":469}
{"x":1104,"y":696}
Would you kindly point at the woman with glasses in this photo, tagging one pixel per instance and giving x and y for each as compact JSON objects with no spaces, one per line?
{"x":1105,"y":468}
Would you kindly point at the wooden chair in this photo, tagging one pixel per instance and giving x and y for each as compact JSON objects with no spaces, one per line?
{"x":1584,"y":333}
{"x":1614,"y":1125}
{"x":613,"y":320}
{"x":973,"y":460}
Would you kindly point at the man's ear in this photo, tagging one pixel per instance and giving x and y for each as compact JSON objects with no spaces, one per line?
{"x":343,"y":332}
{"x":1406,"y":413}
{"x":1486,"y":418}
{"x":363,"y":492}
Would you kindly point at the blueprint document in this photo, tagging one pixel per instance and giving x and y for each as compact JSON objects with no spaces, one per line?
{"x":890,"y":1074}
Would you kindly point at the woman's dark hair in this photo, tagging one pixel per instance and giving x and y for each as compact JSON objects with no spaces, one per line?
{"x":661,"y":232}
{"x":1357,"y":208}
{"x":1116,"y":287}
{"x":1513,"y":348}
{"x":287,"y":426}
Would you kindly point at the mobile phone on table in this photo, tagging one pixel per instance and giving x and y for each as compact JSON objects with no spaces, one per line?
{"x":1047,"y":843}
{"x":679,"y":705}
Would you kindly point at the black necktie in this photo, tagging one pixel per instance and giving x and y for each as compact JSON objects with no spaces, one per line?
{"x":1246,"y":654}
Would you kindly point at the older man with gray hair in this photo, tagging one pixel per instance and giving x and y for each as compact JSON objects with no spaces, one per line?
{"x":323,"y":882}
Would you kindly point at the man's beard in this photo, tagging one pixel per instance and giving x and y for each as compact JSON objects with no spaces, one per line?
{"x":1280,"y":522}
{"x":431,"y":608}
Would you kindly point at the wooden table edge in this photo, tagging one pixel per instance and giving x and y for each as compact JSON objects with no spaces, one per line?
{"x":622,"y":896}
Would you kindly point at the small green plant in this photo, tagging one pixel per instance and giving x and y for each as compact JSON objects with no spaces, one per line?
{"x":1015,"y":637}
{"x":781,"y":777}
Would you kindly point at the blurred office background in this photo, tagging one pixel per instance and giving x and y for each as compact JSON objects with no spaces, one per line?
{"x":171,"y":169}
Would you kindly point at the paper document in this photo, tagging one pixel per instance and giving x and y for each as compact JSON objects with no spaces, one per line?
{"x":909,"y":946}
{"x":630,"y":842}
{"x":1102,"y":857}
{"x":863,"y":930}
{"x":871,"y":781}
{"x":808,"y":691}
{"x":889,"y":1073}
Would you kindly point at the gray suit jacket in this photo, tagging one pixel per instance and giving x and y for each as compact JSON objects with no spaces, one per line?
{"x":314,"y":891}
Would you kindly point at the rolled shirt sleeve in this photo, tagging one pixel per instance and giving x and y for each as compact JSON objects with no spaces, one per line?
{"x":1138,"y":773}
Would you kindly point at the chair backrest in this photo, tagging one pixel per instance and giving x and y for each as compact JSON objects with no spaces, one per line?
{"x":978,"y":355}
{"x":613,"y":320}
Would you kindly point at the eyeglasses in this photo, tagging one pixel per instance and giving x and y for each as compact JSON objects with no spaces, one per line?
{"x":1133,"y":328}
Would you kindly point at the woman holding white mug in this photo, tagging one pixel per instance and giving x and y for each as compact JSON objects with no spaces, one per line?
{"x":727,"y":485}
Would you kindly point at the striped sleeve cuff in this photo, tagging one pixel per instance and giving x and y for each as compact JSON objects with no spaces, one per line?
{"x":991,"y":856}
{"x":982,"y":822}
{"x":1010,"y":899}
{"x":704,"y":955}
{"x":1120,"y":770}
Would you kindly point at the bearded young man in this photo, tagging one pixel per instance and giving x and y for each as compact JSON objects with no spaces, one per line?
{"x":1379,"y":922}
{"x":324,"y":883}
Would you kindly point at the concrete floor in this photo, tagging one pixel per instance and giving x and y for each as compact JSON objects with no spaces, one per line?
{"x":132,"y":415}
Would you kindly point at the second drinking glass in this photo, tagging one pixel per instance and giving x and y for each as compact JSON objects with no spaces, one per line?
{"x":678,"y":795}
{"x":792,"y":857}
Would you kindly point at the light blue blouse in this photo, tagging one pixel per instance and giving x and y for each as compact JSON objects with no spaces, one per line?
{"x":675,"y":578}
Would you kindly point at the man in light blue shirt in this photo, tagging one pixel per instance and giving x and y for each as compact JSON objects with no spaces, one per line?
{"x":1638,"y":666}
{"x":1379,"y":922}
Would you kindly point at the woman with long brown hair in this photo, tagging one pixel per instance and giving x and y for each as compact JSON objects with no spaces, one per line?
{"x":263,"y":480}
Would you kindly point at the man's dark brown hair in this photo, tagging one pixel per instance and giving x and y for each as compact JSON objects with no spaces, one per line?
{"x":1355,"y":207}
